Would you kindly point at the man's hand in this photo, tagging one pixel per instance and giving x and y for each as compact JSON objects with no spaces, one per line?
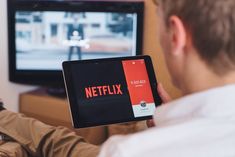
{"x":163,"y":94}
{"x":165,"y":99}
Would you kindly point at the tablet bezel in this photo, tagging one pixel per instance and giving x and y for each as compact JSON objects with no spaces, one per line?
{"x":71,"y":91}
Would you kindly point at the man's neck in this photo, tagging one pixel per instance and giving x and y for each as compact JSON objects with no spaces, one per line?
{"x":200,"y":77}
{"x":204,"y":84}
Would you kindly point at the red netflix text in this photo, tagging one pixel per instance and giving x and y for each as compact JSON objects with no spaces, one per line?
{"x":103,"y":90}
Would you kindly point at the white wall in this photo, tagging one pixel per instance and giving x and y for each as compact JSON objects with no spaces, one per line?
{"x":9,"y":92}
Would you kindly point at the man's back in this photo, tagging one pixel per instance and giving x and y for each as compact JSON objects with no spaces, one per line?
{"x":198,"y":125}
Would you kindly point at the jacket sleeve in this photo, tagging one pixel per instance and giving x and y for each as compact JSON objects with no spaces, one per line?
{"x":39,"y":139}
{"x":12,"y":149}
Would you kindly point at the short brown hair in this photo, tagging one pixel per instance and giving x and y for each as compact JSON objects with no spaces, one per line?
{"x":212,"y":26}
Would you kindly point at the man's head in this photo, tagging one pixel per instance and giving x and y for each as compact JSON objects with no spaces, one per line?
{"x":198,"y":31}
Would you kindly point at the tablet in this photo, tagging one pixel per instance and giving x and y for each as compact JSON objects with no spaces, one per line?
{"x":109,"y":91}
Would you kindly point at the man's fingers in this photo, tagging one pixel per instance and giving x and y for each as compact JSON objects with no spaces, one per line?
{"x":165,"y":98}
{"x":163,"y":94}
{"x":150,"y":123}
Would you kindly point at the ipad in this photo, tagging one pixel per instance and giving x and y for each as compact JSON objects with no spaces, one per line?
{"x":109,"y":91}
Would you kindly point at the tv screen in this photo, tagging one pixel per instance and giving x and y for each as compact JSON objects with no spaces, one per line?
{"x":43,"y":34}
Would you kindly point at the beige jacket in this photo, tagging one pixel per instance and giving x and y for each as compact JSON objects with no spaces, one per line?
{"x":33,"y":138}
{"x":30,"y":137}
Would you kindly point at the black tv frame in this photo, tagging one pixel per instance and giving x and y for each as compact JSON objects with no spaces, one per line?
{"x":54,"y":78}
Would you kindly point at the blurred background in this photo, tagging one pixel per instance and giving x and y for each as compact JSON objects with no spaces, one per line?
{"x":9,"y":92}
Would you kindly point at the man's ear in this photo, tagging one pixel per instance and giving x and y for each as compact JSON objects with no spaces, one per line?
{"x":177,"y":35}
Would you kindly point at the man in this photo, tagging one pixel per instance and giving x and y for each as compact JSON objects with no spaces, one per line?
{"x":198,"y":39}
{"x":75,"y":33}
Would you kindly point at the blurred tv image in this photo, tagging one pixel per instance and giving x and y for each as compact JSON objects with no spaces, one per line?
{"x":44,"y":39}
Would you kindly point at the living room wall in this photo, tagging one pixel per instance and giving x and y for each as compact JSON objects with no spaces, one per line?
{"x":9,"y":92}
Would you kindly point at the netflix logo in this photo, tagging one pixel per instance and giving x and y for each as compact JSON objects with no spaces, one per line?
{"x":96,"y":91}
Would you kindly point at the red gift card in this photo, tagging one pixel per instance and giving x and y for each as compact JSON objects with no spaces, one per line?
{"x":139,"y":87}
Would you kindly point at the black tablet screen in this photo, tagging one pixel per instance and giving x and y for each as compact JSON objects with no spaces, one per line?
{"x":107,"y":92}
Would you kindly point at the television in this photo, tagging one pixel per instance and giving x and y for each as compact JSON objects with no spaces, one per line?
{"x":42,"y":34}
